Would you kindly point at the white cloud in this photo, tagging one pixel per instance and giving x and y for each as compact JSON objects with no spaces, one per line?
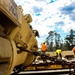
{"x":49,"y":14}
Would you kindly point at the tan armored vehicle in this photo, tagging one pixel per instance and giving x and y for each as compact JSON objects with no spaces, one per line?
{"x":15,"y":33}
{"x":66,"y":54}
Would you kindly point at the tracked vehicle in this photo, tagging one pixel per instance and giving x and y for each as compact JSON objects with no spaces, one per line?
{"x":18,"y":43}
{"x":15,"y":33}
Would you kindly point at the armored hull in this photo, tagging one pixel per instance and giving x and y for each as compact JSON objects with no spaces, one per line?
{"x":15,"y":33}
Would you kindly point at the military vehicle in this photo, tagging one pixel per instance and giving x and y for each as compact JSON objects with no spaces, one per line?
{"x":18,"y":43}
{"x":15,"y":33}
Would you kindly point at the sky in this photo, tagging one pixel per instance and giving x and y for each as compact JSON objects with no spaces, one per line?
{"x":50,"y":15}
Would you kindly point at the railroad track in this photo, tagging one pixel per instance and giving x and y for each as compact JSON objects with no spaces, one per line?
{"x":48,"y":72}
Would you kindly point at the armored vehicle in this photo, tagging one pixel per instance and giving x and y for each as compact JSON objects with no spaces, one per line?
{"x":16,"y":35}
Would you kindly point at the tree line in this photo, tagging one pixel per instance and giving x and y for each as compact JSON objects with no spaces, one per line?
{"x":55,"y":41}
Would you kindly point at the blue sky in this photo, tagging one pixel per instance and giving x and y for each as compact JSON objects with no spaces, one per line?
{"x":50,"y":15}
